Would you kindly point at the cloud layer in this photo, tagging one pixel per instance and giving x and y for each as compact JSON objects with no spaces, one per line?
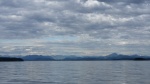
{"x":74,"y":27}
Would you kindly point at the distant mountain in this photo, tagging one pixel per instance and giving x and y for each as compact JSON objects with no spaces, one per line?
{"x":61,"y":57}
{"x":37,"y":58}
{"x":113,"y":56}
{"x":84,"y":58}
{"x":10,"y":59}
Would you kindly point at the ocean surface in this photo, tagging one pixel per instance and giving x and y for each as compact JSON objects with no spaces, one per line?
{"x":75,"y":72}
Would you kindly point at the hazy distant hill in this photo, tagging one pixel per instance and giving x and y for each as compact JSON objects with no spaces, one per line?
{"x":37,"y":58}
{"x":113,"y":56}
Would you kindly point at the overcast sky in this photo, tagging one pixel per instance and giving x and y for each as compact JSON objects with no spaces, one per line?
{"x":74,"y":27}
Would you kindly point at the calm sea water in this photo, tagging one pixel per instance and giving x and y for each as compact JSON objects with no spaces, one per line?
{"x":75,"y":72}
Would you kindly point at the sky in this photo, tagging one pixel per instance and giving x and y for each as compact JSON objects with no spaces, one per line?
{"x":74,"y":27}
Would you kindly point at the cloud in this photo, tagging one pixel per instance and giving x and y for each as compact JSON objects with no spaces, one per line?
{"x":78,"y":27}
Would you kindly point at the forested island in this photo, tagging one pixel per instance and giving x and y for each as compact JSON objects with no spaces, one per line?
{"x":3,"y":59}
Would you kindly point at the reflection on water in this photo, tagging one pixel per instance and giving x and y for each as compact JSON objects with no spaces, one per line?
{"x":75,"y":72}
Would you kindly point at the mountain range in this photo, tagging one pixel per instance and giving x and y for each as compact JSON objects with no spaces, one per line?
{"x":113,"y":56}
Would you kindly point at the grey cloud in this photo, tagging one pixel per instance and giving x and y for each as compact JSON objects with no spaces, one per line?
{"x":125,"y":1}
{"x":92,"y":22}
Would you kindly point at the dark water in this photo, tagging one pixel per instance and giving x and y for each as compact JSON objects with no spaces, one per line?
{"x":75,"y":72}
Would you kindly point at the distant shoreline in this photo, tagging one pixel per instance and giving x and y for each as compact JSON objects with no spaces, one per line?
{"x":111,"y":57}
{"x":10,"y":59}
